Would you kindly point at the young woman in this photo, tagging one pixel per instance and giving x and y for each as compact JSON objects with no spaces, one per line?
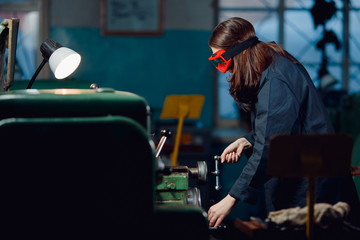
{"x":278,"y":91}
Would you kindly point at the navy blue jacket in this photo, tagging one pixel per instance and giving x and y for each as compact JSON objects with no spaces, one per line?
{"x":287,"y":103}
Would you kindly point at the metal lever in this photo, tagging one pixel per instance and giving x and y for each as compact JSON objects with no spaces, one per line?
{"x":217,"y":173}
{"x":165,"y":134}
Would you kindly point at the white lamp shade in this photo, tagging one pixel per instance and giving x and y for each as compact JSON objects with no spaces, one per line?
{"x":64,"y":62}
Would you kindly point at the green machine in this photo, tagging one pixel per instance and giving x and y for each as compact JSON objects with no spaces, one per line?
{"x":74,"y":103}
{"x":173,"y":186}
{"x":67,"y":155}
{"x":79,"y":163}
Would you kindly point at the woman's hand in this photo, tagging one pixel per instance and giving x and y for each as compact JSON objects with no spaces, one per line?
{"x":232,"y":153}
{"x":219,"y":211}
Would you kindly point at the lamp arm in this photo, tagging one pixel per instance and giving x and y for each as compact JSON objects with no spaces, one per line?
{"x":44,"y":61}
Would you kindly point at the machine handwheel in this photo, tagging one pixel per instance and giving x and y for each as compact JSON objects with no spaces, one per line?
{"x":202,"y":172}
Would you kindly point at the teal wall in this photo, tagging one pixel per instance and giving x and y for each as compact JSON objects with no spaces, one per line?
{"x":152,"y":67}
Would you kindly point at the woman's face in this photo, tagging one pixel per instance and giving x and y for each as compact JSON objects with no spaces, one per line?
{"x":214,"y":50}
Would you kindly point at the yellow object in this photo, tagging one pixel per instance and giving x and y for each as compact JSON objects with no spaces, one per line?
{"x":181,"y":107}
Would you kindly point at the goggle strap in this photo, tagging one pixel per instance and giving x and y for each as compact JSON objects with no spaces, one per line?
{"x":238,"y":48}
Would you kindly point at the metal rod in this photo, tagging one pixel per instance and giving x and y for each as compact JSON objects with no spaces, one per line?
{"x":217,"y":173}
{"x":165,"y":134}
{"x":44,"y":61}
{"x":160,"y":146}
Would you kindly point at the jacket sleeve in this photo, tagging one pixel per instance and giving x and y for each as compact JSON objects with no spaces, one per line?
{"x":250,"y":137}
{"x":276,"y":112}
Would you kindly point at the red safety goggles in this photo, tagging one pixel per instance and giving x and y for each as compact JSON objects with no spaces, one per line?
{"x":219,"y":61}
{"x":222,"y":58}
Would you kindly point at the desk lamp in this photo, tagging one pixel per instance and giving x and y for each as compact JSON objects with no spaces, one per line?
{"x":63,"y":61}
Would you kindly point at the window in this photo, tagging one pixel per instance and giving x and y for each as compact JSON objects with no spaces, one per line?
{"x":32,"y":31}
{"x":290,"y":23}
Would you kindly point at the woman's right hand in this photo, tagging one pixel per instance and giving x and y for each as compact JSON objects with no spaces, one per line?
{"x":233,"y":152}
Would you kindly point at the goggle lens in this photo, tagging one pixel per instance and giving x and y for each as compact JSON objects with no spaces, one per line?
{"x":218,"y":61}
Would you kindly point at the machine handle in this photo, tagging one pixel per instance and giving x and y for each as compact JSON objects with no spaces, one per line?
{"x":164,"y":135}
{"x":217,"y":173}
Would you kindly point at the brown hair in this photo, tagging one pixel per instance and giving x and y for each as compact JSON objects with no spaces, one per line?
{"x":247,"y":66}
